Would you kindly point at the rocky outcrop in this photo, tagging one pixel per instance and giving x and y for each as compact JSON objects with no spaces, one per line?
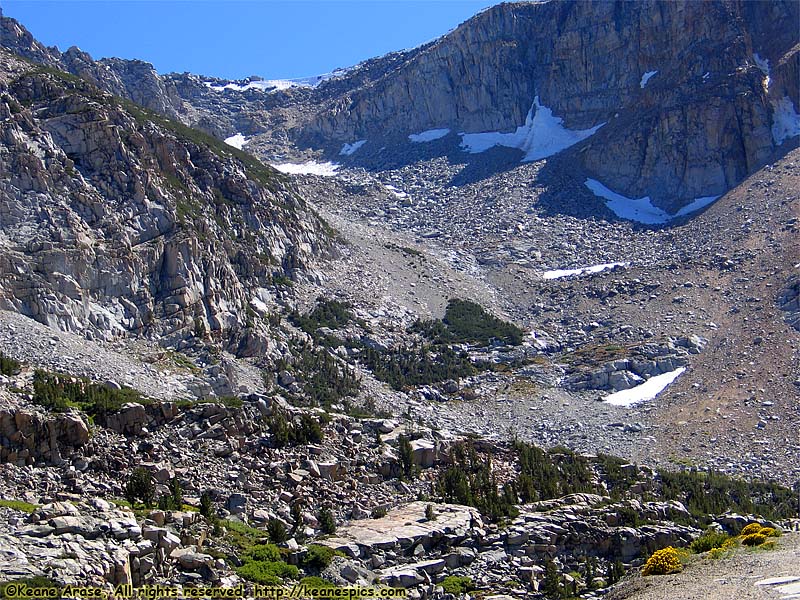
{"x":117,"y":221}
{"x":27,"y":437}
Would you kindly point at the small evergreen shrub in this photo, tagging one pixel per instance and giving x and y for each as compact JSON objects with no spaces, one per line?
{"x":455,"y":584}
{"x":327,"y":522}
{"x":318,"y":556}
{"x":140,"y":487}
{"x":8,"y":366}
{"x":262,"y":553}
{"x":709,"y":541}
{"x":663,"y":562}
{"x":277,"y":531}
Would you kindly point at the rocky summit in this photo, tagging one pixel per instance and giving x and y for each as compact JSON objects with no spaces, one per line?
{"x":511,"y":314}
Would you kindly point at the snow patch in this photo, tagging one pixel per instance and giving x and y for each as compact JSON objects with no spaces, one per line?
{"x":646,"y":77}
{"x":763,"y":64}
{"x":271,"y":85}
{"x":312,"y":167}
{"x":542,"y":135}
{"x":559,"y":273}
{"x":237,"y":141}
{"x":428,"y":136}
{"x":642,"y":210}
{"x":349,"y":149}
{"x":398,"y":193}
{"x":785,"y":120}
{"x":645,"y":391}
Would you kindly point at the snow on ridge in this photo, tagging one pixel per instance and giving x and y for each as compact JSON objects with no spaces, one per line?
{"x":272,"y":85}
{"x":642,"y":209}
{"x":646,"y":77}
{"x":349,"y":149}
{"x":559,"y":273}
{"x":428,"y":136}
{"x":312,"y":167}
{"x":542,"y":135}
{"x":644,"y":391}
{"x":785,"y":120}
{"x":237,"y":141}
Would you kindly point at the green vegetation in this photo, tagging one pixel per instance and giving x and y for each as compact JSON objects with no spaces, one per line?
{"x":140,"y":487}
{"x":708,"y":541}
{"x":318,"y":556}
{"x":711,"y":493}
{"x":8,"y":366}
{"x":262,"y":553}
{"x":551,"y":474}
{"x":241,"y":535}
{"x":301,"y":429}
{"x":406,"y":456}
{"x":173,"y":500}
{"x":454,"y":584}
{"x":470,"y":481}
{"x":407,"y":367}
{"x":19,"y":505}
{"x":312,"y":582}
{"x":467,"y":322}
{"x":327,"y":522}
{"x":276,"y":531}
{"x":663,"y":562}
{"x":59,"y":392}
{"x":267,"y":572}
{"x":326,"y":380}
{"x":327,"y":313}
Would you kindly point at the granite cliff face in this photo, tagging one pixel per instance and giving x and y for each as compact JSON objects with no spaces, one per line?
{"x":116,"y":220}
{"x":687,"y":108}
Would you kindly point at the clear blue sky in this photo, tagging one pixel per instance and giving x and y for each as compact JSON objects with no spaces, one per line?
{"x":234,"y":39}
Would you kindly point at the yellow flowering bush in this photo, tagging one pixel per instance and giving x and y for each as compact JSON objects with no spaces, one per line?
{"x":770,"y":532}
{"x":751,"y":528}
{"x":663,"y":562}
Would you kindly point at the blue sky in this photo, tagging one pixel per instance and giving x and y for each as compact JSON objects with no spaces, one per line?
{"x":233,"y":39}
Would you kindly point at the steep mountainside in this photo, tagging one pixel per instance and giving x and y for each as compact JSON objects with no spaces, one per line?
{"x":116,"y":220}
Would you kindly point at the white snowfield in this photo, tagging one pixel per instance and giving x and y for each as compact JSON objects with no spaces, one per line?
{"x":542,"y":135}
{"x":312,"y":167}
{"x":428,"y":136}
{"x":642,"y":209}
{"x":559,"y":273}
{"x":646,"y":77}
{"x":272,"y":85}
{"x":237,"y":141}
{"x":348,"y":149}
{"x":645,"y":391}
{"x":785,"y":120}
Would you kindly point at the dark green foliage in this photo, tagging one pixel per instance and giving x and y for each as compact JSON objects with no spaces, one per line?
{"x":327,"y":313}
{"x":709,"y":540}
{"x":32,"y":583}
{"x":467,"y":322}
{"x":262,"y":552}
{"x":405,"y":367}
{"x":470,"y":481}
{"x":173,"y":500}
{"x":267,"y":572}
{"x":140,"y":487}
{"x":615,"y":572}
{"x":59,"y":392}
{"x":297,"y":517}
{"x":327,"y":522}
{"x":302,"y":429}
{"x":406,"y":456}
{"x":454,"y":584}
{"x":318,"y":557}
{"x":617,"y":479}
{"x":277,"y":531}
{"x":206,"y":505}
{"x":552,"y":474}
{"x":312,"y":582}
{"x":552,"y":586}
{"x":711,"y":493}
{"x":326,"y":380}
{"x":8,"y":366}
